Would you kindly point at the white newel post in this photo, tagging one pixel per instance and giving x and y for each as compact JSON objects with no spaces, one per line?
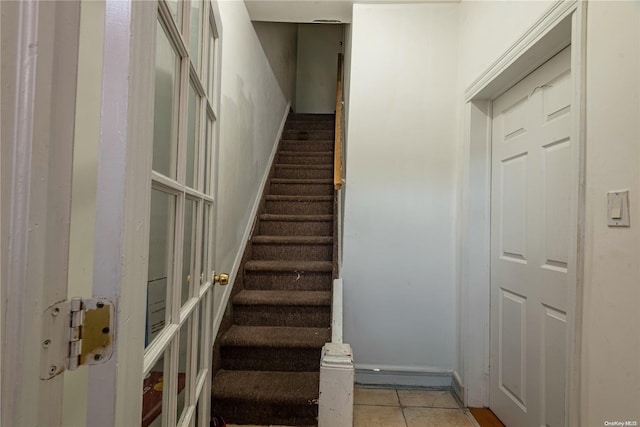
{"x":336,"y":386}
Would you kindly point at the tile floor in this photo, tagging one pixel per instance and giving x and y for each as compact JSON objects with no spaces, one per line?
{"x":374,"y":407}
{"x":408,"y":408}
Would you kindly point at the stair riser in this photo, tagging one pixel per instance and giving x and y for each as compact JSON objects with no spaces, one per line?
{"x":310,"y":117}
{"x":287,"y":159}
{"x":249,"y":412}
{"x":271,"y":359}
{"x":291,"y":316}
{"x":287,"y":281}
{"x":302,"y":189}
{"x":310,"y":125}
{"x":308,"y":135}
{"x":299,"y":208}
{"x":296,"y":228}
{"x":310,"y":252}
{"x":303,"y":173}
{"x":307,"y":146}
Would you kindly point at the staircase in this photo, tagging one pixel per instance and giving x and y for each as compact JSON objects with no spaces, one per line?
{"x":269,"y":357}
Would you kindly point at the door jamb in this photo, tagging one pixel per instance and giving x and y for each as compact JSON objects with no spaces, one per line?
{"x":563,"y":23}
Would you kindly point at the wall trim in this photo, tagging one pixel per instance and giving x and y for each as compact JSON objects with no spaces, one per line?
{"x":249,"y":228}
{"x":393,"y":376}
{"x":556,"y":13}
{"x":456,"y":386}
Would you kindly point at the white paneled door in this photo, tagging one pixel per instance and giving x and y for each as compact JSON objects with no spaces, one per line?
{"x":530,"y":242}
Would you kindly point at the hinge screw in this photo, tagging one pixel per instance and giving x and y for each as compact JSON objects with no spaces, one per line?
{"x":52,"y":369}
{"x":97,"y":357}
{"x":55,"y":311}
{"x":100,"y":305}
{"x":46,"y":343}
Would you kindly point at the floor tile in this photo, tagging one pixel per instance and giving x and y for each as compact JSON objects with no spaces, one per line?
{"x":375,"y":396}
{"x":427,"y":398}
{"x":436,"y":417}
{"x":377,"y":416}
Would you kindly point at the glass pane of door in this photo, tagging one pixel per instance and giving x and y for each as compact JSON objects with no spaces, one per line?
{"x":188,"y":249}
{"x":152,"y":395}
{"x":184,"y":353}
{"x":192,"y":137}
{"x":160,"y":268}
{"x":165,"y":132}
{"x":194,"y":33}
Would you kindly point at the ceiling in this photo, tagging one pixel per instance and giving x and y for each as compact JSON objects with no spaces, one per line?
{"x":312,"y":10}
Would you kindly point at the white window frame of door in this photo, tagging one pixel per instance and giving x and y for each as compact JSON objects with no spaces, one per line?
{"x":122,"y":205}
{"x":125,"y":179}
{"x":168,"y":340}
{"x":561,"y":25}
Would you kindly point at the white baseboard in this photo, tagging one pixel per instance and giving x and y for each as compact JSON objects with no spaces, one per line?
{"x":249,"y":228}
{"x":457,"y":387}
{"x":394,"y":376}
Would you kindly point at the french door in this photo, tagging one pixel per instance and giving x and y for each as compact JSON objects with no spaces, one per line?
{"x":154,"y":213}
{"x":178,"y":336}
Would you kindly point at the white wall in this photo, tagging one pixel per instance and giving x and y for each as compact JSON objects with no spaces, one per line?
{"x":279,"y":41}
{"x":611,"y":318}
{"x":252,"y":108}
{"x":318,"y":48}
{"x":399,"y":237}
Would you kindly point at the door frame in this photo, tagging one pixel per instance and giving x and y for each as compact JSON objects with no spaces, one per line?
{"x":563,"y":24}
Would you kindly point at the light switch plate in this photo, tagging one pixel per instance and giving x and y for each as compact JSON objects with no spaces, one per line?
{"x":618,"y":208}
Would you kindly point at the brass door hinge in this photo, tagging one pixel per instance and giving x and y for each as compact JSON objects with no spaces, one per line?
{"x":76,"y":333}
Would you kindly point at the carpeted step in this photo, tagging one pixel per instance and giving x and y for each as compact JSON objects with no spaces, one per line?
{"x":299,"y":205}
{"x":304,"y":171}
{"x":308,"y":134}
{"x":311,"y":117}
{"x":305,"y":157}
{"x":296,"y":225}
{"x":283,"y":308}
{"x":288,"y":275}
{"x":310,"y":124}
{"x":262,"y":397}
{"x":304,"y":187}
{"x":273,"y":348}
{"x":310,"y":248}
{"x":307,"y":145}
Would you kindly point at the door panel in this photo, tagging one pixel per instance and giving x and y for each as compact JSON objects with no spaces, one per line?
{"x":530,"y":240}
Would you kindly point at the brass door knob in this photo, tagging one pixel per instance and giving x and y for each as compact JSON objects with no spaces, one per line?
{"x":223,"y":278}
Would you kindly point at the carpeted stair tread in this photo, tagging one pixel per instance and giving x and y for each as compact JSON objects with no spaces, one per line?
{"x":311,"y":124}
{"x":311,"y":117}
{"x":307,"y":153}
{"x":292,"y":240}
{"x":285,"y":388}
{"x":295,"y":218}
{"x":283,"y":298}
{"x":290,"y":166}
{"x":301,"y":181}
{"x":300,"y":198}
{"x":286,"y":266}
{"x":276,"y":337}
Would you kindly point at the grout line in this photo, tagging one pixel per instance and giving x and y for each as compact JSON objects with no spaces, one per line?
{"x":404,"y":417}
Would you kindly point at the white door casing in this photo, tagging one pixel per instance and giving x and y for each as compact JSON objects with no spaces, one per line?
{"x":532,"y":196}
{"x":39,"y":56}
